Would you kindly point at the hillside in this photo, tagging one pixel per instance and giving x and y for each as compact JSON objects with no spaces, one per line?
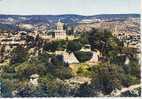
{"x":68,"y":18}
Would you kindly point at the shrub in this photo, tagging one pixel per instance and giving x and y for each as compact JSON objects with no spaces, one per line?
{"x":85,"y":70}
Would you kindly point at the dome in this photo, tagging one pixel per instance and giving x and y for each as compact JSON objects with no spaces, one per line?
{"x":59,"y":23}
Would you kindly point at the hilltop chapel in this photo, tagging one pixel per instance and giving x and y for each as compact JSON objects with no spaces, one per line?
{"x":60,"y":33}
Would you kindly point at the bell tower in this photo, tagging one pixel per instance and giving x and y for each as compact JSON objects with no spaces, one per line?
{"x":60,"y":33}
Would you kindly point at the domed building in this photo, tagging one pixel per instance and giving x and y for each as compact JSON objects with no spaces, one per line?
{"x":60,"y":33}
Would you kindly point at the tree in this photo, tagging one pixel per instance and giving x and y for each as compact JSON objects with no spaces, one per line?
{"x":55,"y":45}
{"x":58,"y":69}
{"x":73,"y":46}
{"x":5,"y":90}
{"x":83,"y":56}
{"x":135,"y":69}
{"x":18,"y":55}
{"x":43,"y":58}
{"x":61,"y":44}
{"x":107,"y":77}
{"x":70,"y":30}
{"x":84,"y":38}
{"x":102,"y":40}
{"x":26,"y":69}
{"x":128,"y":80}
{"x":51,"y":46}
{"x":84,"y":91}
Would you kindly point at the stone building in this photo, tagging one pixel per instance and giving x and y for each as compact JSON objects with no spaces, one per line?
{"x":60,"y":33}
{"x":68,"y":57}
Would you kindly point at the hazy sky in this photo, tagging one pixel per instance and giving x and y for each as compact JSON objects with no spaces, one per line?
{"x":83,"y":7}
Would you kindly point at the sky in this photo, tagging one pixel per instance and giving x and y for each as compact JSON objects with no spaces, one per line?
{"x":81,"y":7}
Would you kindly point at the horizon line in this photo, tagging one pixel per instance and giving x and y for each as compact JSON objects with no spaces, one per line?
{"x":67,"y":14}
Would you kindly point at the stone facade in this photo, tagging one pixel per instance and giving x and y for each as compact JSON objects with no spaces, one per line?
{"x":60,"y":33}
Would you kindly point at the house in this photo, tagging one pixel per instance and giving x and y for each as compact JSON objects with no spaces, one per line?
{"x":34,"y":79}
{"x":86,"y":48}
{"x":94,"y":59}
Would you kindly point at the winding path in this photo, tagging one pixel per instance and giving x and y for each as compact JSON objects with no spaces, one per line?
{"x":127,"y":89}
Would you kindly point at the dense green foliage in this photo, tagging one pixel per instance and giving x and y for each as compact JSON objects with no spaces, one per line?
{"x":85,"y":70}
{"x":62,"y":45}
{"x":83,"y":56}
{"x":26,"y":69}
{"x":5,"y":90}
{"x":105,"y":77}
{"x":73,"y":46}
{"x":102,"y":40}
{"x":18,"y":55}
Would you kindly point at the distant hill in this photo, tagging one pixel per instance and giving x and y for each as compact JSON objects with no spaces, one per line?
{"x":8,"y":27}
{"x":50,"y":19}
{"x":67,"y":18}
{"x":112,"y":16}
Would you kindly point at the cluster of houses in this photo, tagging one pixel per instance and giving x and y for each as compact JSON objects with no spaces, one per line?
{"x":130,"y":38}
{"x":8,"y":41}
